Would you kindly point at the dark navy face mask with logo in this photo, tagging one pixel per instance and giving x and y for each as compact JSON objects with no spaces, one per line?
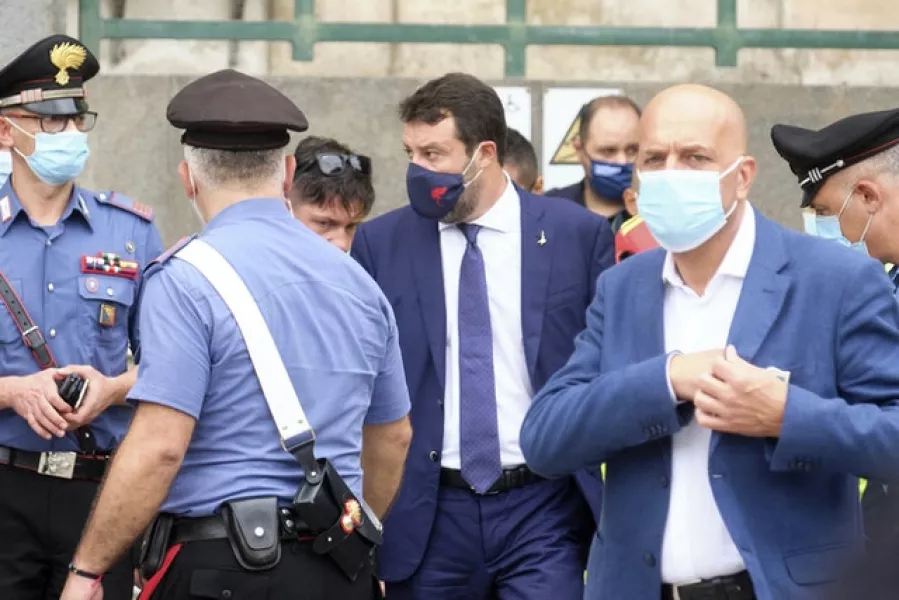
{"x":434,"y":195}
{"x":609,"y":180}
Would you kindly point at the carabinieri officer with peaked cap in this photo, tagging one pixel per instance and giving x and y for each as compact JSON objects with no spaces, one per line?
{"x":849,"y":175}
{"x":267,"y":354}
{"x":70,"y":262}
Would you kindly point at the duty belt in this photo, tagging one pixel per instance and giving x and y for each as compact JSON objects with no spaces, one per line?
{"x":199,"y":529}
{"x":63,"y":465}
{"x":35,"y":341}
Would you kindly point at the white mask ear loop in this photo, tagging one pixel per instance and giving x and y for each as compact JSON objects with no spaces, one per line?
{"x":724,"y":174}
{"x":468,"y":166}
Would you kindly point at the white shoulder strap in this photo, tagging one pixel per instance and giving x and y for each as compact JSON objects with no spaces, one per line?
{"x":293,"y":427}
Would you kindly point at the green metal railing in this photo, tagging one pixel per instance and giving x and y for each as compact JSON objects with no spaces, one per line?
{"x":515,"y":35}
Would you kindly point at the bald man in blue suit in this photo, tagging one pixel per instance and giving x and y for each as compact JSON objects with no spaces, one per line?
{"x":736,"y":381}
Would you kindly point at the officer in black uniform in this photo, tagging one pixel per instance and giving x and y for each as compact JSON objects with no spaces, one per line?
{"x":849,"y":175}
{"x":70,"y":262}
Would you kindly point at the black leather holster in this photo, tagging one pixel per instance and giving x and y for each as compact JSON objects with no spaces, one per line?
{"x":344,"y":529}
{"x":155,"y":544}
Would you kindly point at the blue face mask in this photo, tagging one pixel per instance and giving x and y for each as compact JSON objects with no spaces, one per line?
{"x":58,"y":158}
{"x":828,"y":227}
{"x":5,"y":165}
{"x":609,"y":180}
{"x":682,"y":207}
{"x":434,"y":195}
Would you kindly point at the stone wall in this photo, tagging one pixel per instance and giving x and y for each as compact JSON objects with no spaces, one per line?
{"x":136,"y":152}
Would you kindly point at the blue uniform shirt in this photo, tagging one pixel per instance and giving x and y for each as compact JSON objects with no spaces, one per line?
{"x":335,"y":332}
{"x":43,"y":265}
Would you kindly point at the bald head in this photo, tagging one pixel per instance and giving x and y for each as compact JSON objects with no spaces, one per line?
{"x":691,"y":113}
{"x":695,"y":127}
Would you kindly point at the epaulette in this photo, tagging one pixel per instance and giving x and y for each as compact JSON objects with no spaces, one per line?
{"x":165,"y":256}
{"x":125,"y":203}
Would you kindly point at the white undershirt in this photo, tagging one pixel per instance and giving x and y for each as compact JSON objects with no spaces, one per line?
{"x":696,"y":544}
{"x":500,"y":242}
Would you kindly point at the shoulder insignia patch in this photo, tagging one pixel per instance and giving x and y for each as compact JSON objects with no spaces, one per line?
{"x":125,"y":203}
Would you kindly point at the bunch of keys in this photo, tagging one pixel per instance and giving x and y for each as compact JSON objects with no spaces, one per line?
{"x":72,"y":390}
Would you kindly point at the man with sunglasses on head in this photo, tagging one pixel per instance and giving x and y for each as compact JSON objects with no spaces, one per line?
{"x":332,"y":192}
{"x":70,"y":263}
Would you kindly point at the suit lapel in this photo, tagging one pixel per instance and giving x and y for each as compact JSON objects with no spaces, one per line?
{"x":428,"y":269}
{"x":764,"y":291}
{"x":646,"y":305}
{"x":762,"y":297}
{"x":536,"y":260}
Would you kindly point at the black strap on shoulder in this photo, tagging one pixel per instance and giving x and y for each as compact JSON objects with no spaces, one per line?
{"x":31,"y":333}
{"x":34,"y":340}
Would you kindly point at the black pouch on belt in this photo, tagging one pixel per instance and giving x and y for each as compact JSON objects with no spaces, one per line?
{"x":254,"y":531}
{"x":349,"y":535}
{"x":155,"y":544}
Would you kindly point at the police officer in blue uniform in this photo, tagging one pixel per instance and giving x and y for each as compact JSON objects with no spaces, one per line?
{"x":848,"y":174}
{"x":70,"y":260}
{"x":240,"y":517}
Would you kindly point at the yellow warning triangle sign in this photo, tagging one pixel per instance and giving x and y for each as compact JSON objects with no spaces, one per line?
{"x":566,"y":154}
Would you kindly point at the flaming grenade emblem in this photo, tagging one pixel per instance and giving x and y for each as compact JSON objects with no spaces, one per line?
{"x":351,"y":517}
{"x":66,"y":56}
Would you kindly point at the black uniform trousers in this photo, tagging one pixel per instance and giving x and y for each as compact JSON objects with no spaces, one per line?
{"x":208,"y":569}
{"x":41,"y":520}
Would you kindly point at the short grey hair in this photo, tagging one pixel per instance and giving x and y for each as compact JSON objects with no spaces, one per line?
{"x":216,"y":169}
{"x":886,"y":162}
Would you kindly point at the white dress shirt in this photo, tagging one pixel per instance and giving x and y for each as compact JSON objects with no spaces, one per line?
{"x":697,"y":544}
{"x":500,"y":242}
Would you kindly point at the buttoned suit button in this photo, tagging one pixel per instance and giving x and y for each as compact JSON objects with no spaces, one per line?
{"x":433,"y":456}
{"x":664,"y":481}
{"x":649,"y":559}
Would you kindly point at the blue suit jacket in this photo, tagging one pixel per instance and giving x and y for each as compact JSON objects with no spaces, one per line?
{"x":808,"y":306}
{"x":402,"y":252}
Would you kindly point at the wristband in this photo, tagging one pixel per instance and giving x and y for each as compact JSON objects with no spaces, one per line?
{"x":86,"y":574}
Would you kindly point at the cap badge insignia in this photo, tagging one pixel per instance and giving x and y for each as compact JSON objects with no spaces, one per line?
{"x":66,"y":56}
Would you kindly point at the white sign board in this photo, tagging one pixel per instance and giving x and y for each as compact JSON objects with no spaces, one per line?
{"x":560,"y":126}
{"x":517,"y":102}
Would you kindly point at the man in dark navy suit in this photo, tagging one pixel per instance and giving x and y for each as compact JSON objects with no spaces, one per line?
{"x":490,"y":285}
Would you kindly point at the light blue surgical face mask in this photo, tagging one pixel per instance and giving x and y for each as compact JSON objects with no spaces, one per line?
{"x":682,"y":207}
{"x":827,"y":227}
{"x":58,"y":158}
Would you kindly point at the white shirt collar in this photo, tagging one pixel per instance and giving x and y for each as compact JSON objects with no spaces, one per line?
{"x":504,"y":216}
{"x":736,"y":261}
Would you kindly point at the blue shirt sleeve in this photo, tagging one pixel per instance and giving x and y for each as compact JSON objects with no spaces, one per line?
{"x":390,"y":396}
{"x":151,"y":249}
{"x":174,"y":353}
